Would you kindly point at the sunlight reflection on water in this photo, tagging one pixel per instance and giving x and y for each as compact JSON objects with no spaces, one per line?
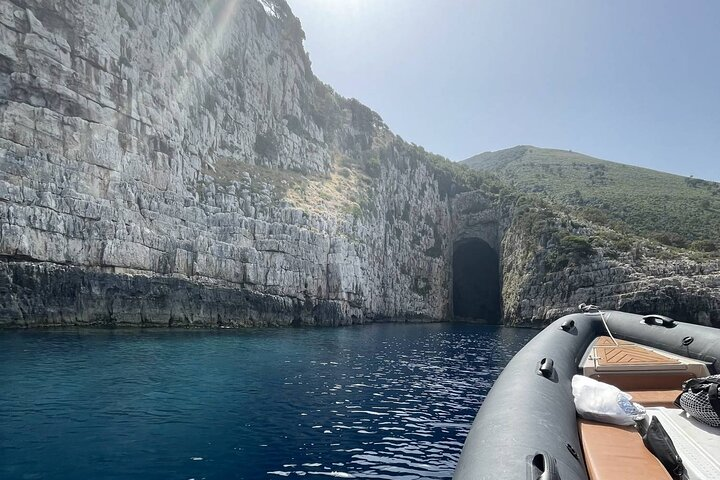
{"x":378,"y":401}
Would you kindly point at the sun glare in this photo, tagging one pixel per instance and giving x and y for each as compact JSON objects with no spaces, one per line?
{"x":212,"y":24}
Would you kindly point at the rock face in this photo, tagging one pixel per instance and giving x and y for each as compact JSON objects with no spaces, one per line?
{"x":558,"y":263}
{"x":142,"y":149}
{"x":177,"y":163}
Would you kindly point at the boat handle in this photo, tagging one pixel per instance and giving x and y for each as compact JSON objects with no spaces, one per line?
{"x":542,"y":467}
{"x":666,"y":322}
{"x":545,"y":368}
{"x":567,"y":325}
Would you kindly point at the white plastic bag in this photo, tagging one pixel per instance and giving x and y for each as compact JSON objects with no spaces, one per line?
{"x":604,"y":403}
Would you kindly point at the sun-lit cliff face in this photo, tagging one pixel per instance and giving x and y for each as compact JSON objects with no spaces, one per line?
{"x":177,"y":163}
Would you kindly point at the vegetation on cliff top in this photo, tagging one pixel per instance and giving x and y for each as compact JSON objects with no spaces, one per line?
{"x":563,"y":239}
{"x":671,"y":209}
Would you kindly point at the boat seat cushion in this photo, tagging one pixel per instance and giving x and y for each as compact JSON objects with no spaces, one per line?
{"x":615,"y":452}
{"x":642,"y":381}
{"x":655,"y":398}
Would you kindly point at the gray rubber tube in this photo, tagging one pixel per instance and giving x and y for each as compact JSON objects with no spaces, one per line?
{"x":527,"y":427}
{"x":705,"y":343}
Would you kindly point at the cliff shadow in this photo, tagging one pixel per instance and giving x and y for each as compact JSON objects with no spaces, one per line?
{"x":476,"y":282}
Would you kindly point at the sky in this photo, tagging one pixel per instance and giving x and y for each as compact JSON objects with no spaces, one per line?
{"x":630,"y":81}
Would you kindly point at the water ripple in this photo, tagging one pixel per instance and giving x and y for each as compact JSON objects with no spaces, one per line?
{"x":382,"y":402}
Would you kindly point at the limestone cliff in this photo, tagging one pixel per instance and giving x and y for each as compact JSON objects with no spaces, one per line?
{"x":178,"y":163}
{"x":560,"y":261}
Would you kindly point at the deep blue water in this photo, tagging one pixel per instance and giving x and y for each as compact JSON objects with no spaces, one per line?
{"x":379,"y":401}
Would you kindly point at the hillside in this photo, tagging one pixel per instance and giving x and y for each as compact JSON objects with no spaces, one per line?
{"x":675,"y":210}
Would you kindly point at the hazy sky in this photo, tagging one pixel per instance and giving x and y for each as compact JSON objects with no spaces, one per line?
{"x":625,"y":80}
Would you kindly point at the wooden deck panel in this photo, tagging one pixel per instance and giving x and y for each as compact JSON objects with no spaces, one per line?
{"x":628,"y":353}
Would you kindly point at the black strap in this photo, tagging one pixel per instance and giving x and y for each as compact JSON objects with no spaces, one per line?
{"x":703,"y":384}
{"x":677,"y":400}
{"x":714,"y":399}
{"x":698,"y":384}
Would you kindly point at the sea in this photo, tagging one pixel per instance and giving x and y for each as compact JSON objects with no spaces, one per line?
{"x":381,"y":401}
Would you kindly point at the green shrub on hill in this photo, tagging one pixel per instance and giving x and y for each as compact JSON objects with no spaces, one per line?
{"x":704,"y":246}
{"x":673,"y":209}
{"x":454,"y":177}
{"x":568,"y":250}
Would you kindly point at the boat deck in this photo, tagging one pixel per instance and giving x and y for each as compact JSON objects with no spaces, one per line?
{"x":629,"y":354}
{"x":631,"y":366}
{"x":654,"y":379}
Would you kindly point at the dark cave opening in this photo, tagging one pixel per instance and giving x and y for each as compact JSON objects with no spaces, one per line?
{"x":476,"y":282}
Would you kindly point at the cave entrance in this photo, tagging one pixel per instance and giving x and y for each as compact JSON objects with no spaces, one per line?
{"x":476,"y":282}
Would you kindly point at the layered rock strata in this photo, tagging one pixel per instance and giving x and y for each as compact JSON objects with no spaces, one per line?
{"x":149,"y":152}
{"x":644,"y":278}
{"x":178,"y":163}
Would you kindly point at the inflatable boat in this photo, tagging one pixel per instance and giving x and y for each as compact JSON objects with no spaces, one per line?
{"x":527,"y":427}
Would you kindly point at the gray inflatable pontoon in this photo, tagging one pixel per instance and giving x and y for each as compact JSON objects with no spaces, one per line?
{"x":527,"y":426}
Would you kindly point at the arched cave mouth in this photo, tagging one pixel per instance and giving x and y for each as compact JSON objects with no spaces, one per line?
{"x":476,"y":282}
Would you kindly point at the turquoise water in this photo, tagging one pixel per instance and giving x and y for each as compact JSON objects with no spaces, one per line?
{"x":379,"y":401}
